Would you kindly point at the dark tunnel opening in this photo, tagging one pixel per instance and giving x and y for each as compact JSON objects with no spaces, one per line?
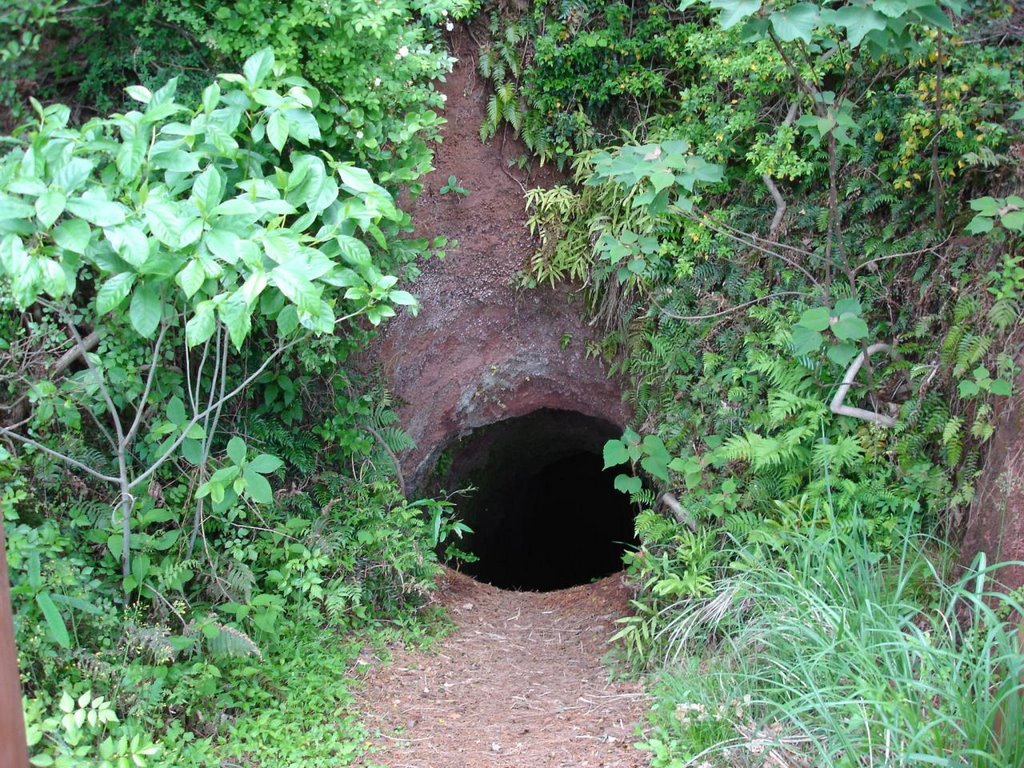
{"x":545,"y":515}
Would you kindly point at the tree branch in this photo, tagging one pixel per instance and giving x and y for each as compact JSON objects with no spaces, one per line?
{"x":670,"y":501}
{"x":150,"y":376}
{"x":57,"y":455}
{"x":104,"y":390}
{"x":738,"y":307}
{"x":838,"y":407}
{"x":780,"y":202}
{"x":753,"y":242}
{"x":72,"y":355}
{"x":780,"y":207}
{"x":225,"y":398}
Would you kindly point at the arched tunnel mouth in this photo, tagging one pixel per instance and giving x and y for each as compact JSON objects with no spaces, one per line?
{"x":545,"y":514}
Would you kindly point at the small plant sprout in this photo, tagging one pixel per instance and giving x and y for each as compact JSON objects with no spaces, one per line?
{"x":454,"y":187}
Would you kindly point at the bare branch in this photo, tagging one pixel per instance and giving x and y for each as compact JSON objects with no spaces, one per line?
{"x":66,"y":360}
{"x":738,"y":307}
{"x":150,"y":376}
{"x":680,"y":514}
{"x":902,"y":255}
{"x":104,"y":390}
{"x":780,"y":202}
{"x":780,"y":207}
{"x":838,"y":407}
{"x":225,"y":398}
{"x":199,"y":374}
{"x":752,"y":241}
{"x":57,"y":455}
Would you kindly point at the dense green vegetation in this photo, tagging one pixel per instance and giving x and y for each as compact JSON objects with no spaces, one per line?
{"x":200,"y":501}
{"x":199,"y":491}
{"x":762,"y":194}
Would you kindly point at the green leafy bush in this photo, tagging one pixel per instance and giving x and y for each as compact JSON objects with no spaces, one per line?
{"x":374,"y":63}
{"x":195,"y":258}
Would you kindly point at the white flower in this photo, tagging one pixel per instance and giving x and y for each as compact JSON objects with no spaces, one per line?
{"x":402,"y":52}
{"x":359,"y":134}
{"x":449,"y":26}
{"x":444,"y":11}
{"x":376,"y":82}
{"x":444,"y":97}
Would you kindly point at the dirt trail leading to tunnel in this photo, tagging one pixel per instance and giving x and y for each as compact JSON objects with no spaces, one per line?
{"x":518,"y":684}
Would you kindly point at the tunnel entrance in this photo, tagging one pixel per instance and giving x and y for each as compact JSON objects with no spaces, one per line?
{"x":545,"y":515}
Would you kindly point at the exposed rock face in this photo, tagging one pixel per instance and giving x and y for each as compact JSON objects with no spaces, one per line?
{"x":480,"y":350}
{"x":996,"y":525}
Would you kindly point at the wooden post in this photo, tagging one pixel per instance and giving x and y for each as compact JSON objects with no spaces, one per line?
{"x":13,"y":750}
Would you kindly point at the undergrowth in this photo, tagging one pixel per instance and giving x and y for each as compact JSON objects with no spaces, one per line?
{"x":802,"y":240}
{"x":845,"y":658}
{"x":182,"y":286}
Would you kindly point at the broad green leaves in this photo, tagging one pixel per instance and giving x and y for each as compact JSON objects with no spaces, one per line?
{"x":49,"y":206}
{"x":296,"y":286}
{"x":113,"y":292}
{"x":629,"y":252}
{"x":54,"y":621}
{"x":662,"y":174}
{"x":96,"y":210}
{"x":1008,"y":212}
{"x":277,"y":130}
{"x":258,"y":66}
{"x":982,"y":381}
{"x":857,"y":20}
{"x":843,"y":322}
{"x":73,"y":236}
{"x":146,"y":310}
{"x":831,"y":118}
{"x":201,"y":325}
{"x":797,"y":22}
{"x":210,"y":237}
{"x":649,"y":452}
{"x":882,"y":23}
{"x":241,"y":477}
{"x":734,"y":11}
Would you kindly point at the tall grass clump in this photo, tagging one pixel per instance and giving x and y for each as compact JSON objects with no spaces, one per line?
{"x":842,"y":657}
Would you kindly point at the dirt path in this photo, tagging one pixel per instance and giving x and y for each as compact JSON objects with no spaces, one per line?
{"x":518,"y":684}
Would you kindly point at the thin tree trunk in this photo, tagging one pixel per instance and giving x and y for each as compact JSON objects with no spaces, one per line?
{"x":13,"y":747}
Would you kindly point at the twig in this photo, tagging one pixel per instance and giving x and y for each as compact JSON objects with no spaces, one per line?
{"x":738,"y":307}
{"x":780,"y":202}
{"x":837,"y":406}
{"x":72,"y":355}
{"x":752,"y":242}
{"x":391,"y":454}
{"x":780,"y":207}
{"x":680,"y":514}
{"x":150,"y":376}
{"x":57,"y":455}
